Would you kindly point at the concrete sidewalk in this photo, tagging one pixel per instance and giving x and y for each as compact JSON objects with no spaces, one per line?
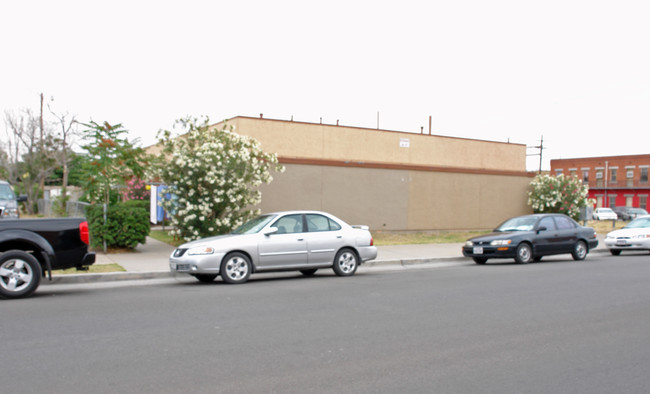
{"x":151,"y":260}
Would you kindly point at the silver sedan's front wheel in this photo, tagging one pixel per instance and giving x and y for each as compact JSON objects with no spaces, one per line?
{"x":345,"y":263}
{"x":235,"y":268}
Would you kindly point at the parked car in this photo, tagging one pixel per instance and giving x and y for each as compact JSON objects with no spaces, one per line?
{"x":621,"y":213}
{"x":629,"y":213}
{"x":604,"y":214}
{"x":302,"y":241}
{"x":634,"y":236}
{"x":9,"y":201}
{"x":529,"y":238}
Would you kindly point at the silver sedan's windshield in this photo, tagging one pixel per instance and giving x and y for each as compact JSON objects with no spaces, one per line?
{"x":518,"y":224}
{"x":254,"y":225}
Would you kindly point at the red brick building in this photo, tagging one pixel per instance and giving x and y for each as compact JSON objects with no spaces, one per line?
{"x":613,"y":180}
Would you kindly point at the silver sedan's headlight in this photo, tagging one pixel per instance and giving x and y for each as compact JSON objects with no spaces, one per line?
{"x":200,"y":250}
{"x":500,"y":242}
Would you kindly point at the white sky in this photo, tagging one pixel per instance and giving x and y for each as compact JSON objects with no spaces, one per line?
{"x":576,"y":72}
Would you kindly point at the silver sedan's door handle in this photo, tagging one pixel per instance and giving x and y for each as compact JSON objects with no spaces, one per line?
{"x":339,"y":236}
{"x":301,"y":239}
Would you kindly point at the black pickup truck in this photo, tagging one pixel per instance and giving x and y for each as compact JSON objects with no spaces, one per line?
{"x":30,"y":248}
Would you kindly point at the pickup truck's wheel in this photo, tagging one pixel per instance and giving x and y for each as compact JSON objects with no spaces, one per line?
{"x":345,"y":263}
{"x":235,"y":268}
{"x":20,"y":274}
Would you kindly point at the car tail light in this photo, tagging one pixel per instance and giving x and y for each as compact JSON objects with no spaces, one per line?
{"x":83,"y":232}
{"x":372,"y":242}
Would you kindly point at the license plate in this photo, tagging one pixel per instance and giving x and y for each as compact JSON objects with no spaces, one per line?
{"x":478,"y":250}
{"x":173,"y":265}
{"x":621,"y":242}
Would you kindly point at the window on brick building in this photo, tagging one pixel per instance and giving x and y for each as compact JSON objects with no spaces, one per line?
{"x":643,"y":202}
{"x":644,"y":175}
{"x":585,"y":176}
{"x":612,"y":175}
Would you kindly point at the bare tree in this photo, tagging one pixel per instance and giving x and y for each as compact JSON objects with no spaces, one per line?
{"x":30,"y":157}
{"x":68,"y":132}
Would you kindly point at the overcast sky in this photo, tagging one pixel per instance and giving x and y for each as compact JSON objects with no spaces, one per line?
{"x":575,"y":72}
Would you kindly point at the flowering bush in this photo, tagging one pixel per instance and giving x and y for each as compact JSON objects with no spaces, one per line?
{"x":558,"y":194}
{"x":136,"y":189}
{"x":212,"y":177}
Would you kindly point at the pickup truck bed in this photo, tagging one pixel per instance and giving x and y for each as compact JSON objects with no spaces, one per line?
{"x":31,"y":247}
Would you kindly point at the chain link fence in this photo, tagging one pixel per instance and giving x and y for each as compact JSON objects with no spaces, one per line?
{"x":74,"y":209}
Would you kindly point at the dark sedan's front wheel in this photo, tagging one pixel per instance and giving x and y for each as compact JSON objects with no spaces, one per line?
{"x":524,"y":254}
{"x":579,"y":250}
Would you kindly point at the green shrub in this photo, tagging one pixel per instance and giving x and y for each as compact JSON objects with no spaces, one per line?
{"x":127,"y":225}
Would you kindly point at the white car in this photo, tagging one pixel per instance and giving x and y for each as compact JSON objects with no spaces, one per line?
{"x":634,"y":236}
{"x":302,"y":241}
{"x":604,"y":214}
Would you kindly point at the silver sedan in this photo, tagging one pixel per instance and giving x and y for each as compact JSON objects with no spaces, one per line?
{"x":283,"y":241}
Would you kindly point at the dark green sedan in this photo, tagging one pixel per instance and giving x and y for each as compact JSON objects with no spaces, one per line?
{"x":529,"y":238}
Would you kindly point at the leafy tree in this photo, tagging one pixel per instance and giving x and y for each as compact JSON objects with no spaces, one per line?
{"x":558,"y":194}
{"x":112,"y":160}
{"x":212,"y":177}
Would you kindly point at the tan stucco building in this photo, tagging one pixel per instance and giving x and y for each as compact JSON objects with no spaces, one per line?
{"x":391,"y":180}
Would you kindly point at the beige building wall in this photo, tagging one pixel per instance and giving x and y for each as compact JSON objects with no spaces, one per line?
{"x":340,"y":143}
{"x":391,"y":199}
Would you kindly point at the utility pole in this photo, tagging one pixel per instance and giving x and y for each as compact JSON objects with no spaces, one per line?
{"x":41,"y":175}
{"x":541,"y":149}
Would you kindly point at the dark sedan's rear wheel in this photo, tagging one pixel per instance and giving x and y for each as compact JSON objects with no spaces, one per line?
{"x":524,"y":254}
{"x":579,"y":250}
{"x":615,"y":252}
{"x":309,"y":272}
{"x":20,"y":274}
{"x":205,"y":278}
{"x":479,"y":260}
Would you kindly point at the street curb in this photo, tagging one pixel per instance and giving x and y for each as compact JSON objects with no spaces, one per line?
{"x":125,"y":276}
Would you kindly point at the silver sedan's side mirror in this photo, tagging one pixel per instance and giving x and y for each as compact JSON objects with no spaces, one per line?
{"x":270,"y":230}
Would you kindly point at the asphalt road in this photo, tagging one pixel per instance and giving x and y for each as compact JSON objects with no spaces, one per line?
{"x":550,"y":327}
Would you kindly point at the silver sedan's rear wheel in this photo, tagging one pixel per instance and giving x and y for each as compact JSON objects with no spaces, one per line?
{"x":20,"y":274}
{"x":345,"y":263}
{"x":235,"y":268}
